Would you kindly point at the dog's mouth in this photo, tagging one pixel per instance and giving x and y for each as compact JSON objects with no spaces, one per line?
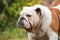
{"x":25,"y":27}
{"x":29,"y":29}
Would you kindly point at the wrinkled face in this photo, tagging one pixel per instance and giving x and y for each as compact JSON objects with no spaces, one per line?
{"x":29,"y":17}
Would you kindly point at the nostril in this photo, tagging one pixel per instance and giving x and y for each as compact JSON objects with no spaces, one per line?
{"x":22,"y":18}
{"x":21,"y":23}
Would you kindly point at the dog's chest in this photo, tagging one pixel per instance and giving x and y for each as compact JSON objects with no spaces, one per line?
{"x":39,"y":37}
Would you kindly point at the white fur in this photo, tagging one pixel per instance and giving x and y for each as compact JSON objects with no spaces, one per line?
{"x":46,"y":21}
{"x":30,"y":35}
{"x":29,"y":11}
{"x":47,"y":17}
{"x":58,"y":7}
{"x":52,"y":35}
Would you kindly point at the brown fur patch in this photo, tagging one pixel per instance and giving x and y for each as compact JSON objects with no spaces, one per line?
{"x":55,"y":19}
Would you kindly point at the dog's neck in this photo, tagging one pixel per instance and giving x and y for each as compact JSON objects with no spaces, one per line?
{"x":37,"y":31}
{"x":47,"y":18}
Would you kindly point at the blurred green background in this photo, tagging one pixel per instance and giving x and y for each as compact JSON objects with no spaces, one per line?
{"x":9,"y":13}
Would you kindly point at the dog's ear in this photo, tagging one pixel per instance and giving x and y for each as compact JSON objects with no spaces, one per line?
{"x":38,"y":11}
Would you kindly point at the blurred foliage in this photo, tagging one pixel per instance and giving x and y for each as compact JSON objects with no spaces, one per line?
{"x":14,"y":34}
{"x":33,"y":2}
{"x":9,"y":13}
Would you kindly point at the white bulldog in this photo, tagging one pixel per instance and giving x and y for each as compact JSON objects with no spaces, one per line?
{"x":39,"y":20}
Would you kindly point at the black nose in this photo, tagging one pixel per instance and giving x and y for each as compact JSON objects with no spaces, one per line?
{"x":21,"y":21}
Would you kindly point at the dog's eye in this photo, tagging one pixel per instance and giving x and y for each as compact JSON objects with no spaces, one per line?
{"x":28,"y":15}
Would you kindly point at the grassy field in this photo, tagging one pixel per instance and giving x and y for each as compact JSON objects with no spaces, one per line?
{"x":13,"y":34}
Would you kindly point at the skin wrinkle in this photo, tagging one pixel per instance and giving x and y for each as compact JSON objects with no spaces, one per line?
{"x":37,"y":27}
{"x":39,"y":24}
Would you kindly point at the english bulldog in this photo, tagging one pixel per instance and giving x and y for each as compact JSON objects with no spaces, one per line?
{"x":39,"y":20}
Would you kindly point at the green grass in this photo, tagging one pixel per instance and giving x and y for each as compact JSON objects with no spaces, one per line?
{"x":13,"y":34}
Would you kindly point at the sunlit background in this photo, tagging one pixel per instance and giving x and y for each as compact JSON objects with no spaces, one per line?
{"x":9,"y":13}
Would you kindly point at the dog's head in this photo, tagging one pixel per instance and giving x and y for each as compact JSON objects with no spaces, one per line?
{"x":30,"y":18}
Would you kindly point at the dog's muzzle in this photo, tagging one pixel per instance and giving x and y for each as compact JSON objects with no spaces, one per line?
{"x":20,"y":22}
